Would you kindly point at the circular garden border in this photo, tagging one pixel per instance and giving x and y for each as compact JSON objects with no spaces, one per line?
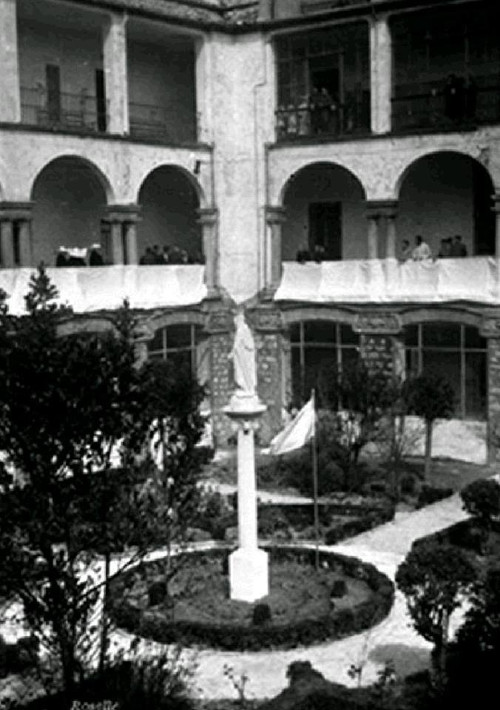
{"x":327,"y":627}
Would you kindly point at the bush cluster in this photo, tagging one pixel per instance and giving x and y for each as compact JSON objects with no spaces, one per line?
{"x":17,"y":657}
{"x":252,"y":637}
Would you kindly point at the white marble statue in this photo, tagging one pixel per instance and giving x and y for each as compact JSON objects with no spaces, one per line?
{"x":243,"y":357}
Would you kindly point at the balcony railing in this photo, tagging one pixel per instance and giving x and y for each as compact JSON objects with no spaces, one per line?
{"x":445,"y":107}
{"x":149,"y":122}
{"x":475,"y":279}
{"x":295,"y":122}
{"x":79,"y":112}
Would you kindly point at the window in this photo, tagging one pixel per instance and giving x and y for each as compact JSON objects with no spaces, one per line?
{"x":317,"y":349}
{"x":458,"y":353}
{"x":179,"y":344}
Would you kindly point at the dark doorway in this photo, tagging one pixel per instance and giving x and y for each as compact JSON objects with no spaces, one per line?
{"x":325,"y":229}
{"x":100,"y":93}
{"x":484,"y":217}
{"x":326,"y":78}
{"x":53,"y":81}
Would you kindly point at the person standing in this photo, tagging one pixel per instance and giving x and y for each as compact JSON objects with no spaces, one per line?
{"x":422,"y":250}
{"x":458,"y":248}
{"x":95,"y":256}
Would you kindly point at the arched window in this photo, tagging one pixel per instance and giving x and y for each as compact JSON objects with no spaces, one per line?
{"x":183,"y":345}
{"x":316,"y":348}
{"x":458,"y":353}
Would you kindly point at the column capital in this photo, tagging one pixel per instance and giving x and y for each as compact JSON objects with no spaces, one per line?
{"x":122,"y":213}
{"x":207,"y":215}
{"x":275,"y":214}
{"x":16,"y":210}
{"x":381,"y":208}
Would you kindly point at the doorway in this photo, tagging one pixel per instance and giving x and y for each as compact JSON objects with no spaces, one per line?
{"x":325,"y":229}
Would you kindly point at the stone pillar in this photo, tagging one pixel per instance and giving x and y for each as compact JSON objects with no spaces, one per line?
{"x":204,"y":89}
{"x":15,"y":218}
{"x":248,"y":566}
{"x":208,"y":219}
{"x":381,"y":216}
{"x":380,"y":74}
{"x":115,"y":73}
{"x":391,"y":236}
{"x":378,"y":330}
{"x":373,"y":217}
{"x":131,"y":242}
{"x":490,"y":329}
{"x":122,"y":221}
{"x":7,"y":242}
{"x":219,"y":322}
{"x":275,"y":216}
{"x":10,"y":92}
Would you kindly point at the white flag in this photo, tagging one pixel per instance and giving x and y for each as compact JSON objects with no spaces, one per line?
{"x":297,"y":432}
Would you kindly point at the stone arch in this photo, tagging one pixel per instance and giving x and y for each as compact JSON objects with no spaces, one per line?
{"x":93,"y":168}
{"x":325,"y":209}
{"x":84,"y":326}
{"x":456,"y":190}
{"x":305,"y":165}
{"x":175,"y":318}
{"x":170,"y":199}
{"x":448,"y":315}
{"x":182,"y":170}
{"x":69,"y":195}
{"x":334,"y":315}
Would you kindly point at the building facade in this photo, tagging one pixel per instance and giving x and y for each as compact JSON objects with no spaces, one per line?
{"x":280,"y":152}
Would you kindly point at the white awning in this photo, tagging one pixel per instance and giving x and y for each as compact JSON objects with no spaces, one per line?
{"x":88,"y":289}
{"x":387,"y":280}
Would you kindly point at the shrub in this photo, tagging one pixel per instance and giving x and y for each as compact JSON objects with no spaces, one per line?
{"x":157,"y":592}
{"x":432,"y":494}
{"x":481,"y":499}
{"x":261,"y":614}
{"x":339,"y":589}
{"x":408,"y":485}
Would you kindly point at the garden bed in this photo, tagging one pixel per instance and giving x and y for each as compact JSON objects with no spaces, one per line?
{"x":306,"y":606}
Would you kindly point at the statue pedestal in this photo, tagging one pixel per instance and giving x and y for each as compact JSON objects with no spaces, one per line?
{"x":248,"y":566}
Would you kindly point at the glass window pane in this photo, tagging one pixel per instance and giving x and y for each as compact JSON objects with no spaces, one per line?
{"x":295,"y":329}
{"x":473,"y":339}
{"x":297,"y":384}
{"x":446,"y":365}
{"x":411,"y":335}
{"x":349,"y":357}
{"x":475,"y":385}
{"x":178,"y":336}
{"x":441,"y":335}
{"x":348,"y":336}
{"x":181,"y":361}
{"x":157,"y":342}
{"x":320,"y":332}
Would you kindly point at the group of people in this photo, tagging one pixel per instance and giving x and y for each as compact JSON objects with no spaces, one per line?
{"x":313,"y":115}
{"x":450,"y":248}
{"x":304,"y":255}
{"x":68,"y":256}
{"x":154,"y":256}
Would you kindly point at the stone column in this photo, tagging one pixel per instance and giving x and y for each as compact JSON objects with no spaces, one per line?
{"x":10,"y":91}
{"x":122,"y":221}
{"x":15,"y":219}
{"x":248,"y":566}
{"x":373,"y":217}
{"x":275,"y":217}
{"x":391,"y":236}
{"x":203,"y":69}
{"x":208,"y":219}
{"x":7,"y":242}
{"x":380,"y":74}
{"x":115,"y":73}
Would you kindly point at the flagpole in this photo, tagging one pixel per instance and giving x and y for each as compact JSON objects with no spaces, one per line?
{"x":315,"y":485}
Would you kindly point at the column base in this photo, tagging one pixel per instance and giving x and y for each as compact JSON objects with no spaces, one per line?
{"x":248,"y":575}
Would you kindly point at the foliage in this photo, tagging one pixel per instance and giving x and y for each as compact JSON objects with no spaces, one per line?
{"x":481,"y":499}
{"x":432,"y":494}
{"x":66,"y":405}
{"x":433,"y":577}
{"x":431,"y":397}
{"x":221,"y":623}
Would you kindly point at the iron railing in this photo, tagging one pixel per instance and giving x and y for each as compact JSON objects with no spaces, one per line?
{"x":80,"y":112}
{"x":149,"y":122}
{"x":294,"y":122}
{"x":438,"y":107}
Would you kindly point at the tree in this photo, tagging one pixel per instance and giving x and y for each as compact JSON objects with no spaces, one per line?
{"x":481,"y":499}
{"x":66,"y":404}
{"x":431,"y":397}
{"x":364,"y":400}
{"x":433,"y":577}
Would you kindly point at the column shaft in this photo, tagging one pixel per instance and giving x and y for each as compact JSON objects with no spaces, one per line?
{"x":247,"y":500}
{"x":380,"y":75}
{"x":131,"y":242}
{"x":10,"y":103}
{"x":275,"y":217}
{"x":208,"y":221}
{"x":117,"y":242}
{"x":496,"y":210}
{"x":7,"y":243}
{"x":25,"y":244}
{"x":115,"y":72}
{"x":373,"y":228}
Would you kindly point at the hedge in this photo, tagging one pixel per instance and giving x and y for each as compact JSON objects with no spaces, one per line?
{"x":335,"y":625}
